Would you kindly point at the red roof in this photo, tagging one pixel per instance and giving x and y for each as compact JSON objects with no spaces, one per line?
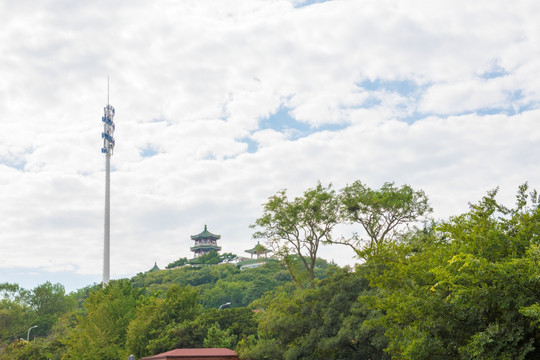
{"x":211,"y":353}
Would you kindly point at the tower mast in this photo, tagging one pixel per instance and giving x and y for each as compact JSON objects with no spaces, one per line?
{"x":108,"y":145}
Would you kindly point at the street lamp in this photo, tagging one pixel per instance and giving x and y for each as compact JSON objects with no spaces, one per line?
{"x":28,"y":334}
{"x":222,"y":305}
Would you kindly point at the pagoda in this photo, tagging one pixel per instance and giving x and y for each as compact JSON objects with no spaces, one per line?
{"x":205,"y":242}
{"x":258,"y":250}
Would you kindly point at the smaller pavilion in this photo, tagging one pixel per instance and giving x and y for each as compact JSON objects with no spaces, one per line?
{"x":205,"y":242}
{"x":258,"y":251}
{"x":260,"y":258}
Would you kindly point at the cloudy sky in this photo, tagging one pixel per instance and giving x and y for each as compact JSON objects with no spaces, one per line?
{"x":220,"y":104}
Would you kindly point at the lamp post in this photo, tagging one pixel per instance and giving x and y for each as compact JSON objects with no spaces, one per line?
{"x":222,"y":305}
{"x":28,"y":334}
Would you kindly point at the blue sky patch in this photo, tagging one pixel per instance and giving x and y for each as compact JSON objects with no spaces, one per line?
{"x":495,"y":72}
{"x":253,"y":146}
{"x":302,"y":3}
{"x":516,"y":105}
{"x":489,"y":111}
{"x":16,"y":162}
{"x":148,"y":151}
{"x":415,"y":116}
{"x":282,"y":121}
{"x":371,"y":102}
{"x":402,"y":87}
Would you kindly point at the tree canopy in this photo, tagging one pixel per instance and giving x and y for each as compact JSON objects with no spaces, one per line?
{"x":299,"y":227}
{"x":467,"y":287}
{"x":381,"y":212}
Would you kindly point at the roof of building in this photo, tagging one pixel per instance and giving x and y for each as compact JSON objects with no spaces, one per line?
{"x":205,"y":234}
{"x":258,"y":249}
{"x":251,"y":265}
{"x":208,"y":247}
{"x":216,"y":353}
{"x":155,"y":268}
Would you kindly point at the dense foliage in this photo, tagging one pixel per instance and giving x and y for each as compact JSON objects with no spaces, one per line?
{"x":322,"y":323}
{"x":467,"y":288}
{"x":464,"y":288}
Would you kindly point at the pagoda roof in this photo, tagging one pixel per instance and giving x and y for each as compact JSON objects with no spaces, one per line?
{"x":205,"y":234}
{"x":209,"y":247}
{"x":258,"y":249}
{"x":155,"y":268}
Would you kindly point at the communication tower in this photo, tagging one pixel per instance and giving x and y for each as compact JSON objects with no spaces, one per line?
{"x":108,"y":146}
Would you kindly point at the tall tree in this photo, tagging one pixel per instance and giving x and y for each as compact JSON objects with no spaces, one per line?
{"x":325,"y":323}
{"x":468,"y":289}
{"x":381,"y":212}
{"x":217,"y":338}
{"x":101,"y":334}
{"x":147,"y":333}
{"x":49,"y":301}
{"x":16,"y":316}
{"x":298,"y":227}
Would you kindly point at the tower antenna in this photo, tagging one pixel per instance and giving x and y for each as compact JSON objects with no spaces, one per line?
{"x":108,"y":146}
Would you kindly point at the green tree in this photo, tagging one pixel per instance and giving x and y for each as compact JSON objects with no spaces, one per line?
{"x":465,"y":289}
{"x":382,"y":213}
{"x":50,"y":347}
{"x":21,"y":309}
{"x":147,"y":333}
{"x":228,"y":257}
{"x":217,"y":338}
{"x":49,"y":299}
{"x":325,"y":323}
{"x":49,"y":302}
{"x":16,"y":316}
{"x":82,"y":294}
{"x":101,"y":333}
{"x":27,"y":350}
{"x":298,"y":227}
{"x":237,"y":322}
{"x":211,"y":258}
{"x":226,"y":291}
{"x":177,"y":263}
{"x":203,"y":275}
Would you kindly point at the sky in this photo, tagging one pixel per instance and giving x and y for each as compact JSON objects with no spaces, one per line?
{"x":221,"y":104}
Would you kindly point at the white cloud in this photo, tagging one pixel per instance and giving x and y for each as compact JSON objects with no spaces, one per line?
{"x":466,"y":96}
{"x":193,"y":80}
{"x":268,"y":137}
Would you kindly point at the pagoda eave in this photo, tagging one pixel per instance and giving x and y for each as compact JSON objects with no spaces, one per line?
{"x":205,"y":248}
